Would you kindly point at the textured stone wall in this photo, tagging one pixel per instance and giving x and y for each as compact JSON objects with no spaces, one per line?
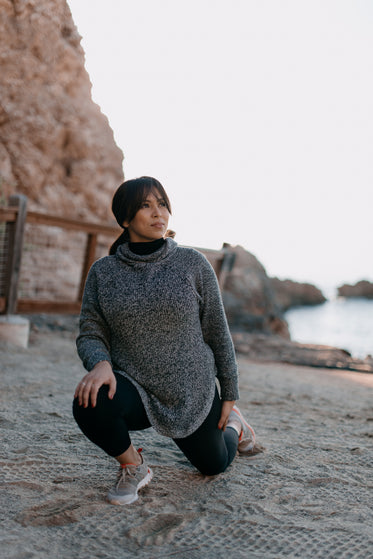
{"x":55,"y":144}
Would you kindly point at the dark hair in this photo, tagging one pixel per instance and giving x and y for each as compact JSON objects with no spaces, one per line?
{"x":128,"y":199}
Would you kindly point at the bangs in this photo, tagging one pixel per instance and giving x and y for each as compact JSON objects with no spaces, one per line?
{"x":144,"y":188}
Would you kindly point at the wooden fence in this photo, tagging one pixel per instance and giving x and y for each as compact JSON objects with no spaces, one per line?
{"x":14,"y":221}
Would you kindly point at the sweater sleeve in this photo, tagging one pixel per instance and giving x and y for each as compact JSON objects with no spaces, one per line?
{"x":216,"y":333}
{"x":93,"y":341}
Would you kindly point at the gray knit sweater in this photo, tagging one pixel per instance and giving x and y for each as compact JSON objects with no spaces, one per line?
{"x":159,"y":320}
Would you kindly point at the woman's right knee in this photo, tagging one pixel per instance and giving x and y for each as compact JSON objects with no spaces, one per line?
{"x":80,"y":413}
{"x":102,"y":407}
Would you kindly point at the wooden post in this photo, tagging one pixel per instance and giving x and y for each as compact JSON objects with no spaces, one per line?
{"x":90,"y":256}
{"x":15,"y":236}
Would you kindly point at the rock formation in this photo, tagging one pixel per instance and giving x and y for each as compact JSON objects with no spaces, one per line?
{"x":55,"y":144}
{"x":289,"y":294}
{"x":362,"y":288}
{"x":249,"y":299}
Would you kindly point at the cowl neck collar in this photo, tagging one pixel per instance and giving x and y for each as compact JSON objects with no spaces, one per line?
{"x":146,"y":248}
{"x":126,"y":255}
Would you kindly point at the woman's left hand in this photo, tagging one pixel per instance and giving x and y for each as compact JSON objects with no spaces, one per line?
{"x":226,"y":409}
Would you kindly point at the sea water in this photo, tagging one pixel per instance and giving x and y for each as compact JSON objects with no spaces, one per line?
{"x":340,"y":322}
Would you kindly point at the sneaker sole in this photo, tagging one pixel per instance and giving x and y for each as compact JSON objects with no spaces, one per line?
{"x":127,"y":501}
{"x":253,"y":453}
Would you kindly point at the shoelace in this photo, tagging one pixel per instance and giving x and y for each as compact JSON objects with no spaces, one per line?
{"x":123,"y":473}
{"x":126,"y":470}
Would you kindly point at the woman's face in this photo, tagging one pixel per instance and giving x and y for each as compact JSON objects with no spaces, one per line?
{"x":151,"y":220}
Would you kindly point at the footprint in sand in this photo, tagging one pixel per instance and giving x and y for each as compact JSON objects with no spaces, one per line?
{"x":158,"y":530}
{"x":55,"y":513}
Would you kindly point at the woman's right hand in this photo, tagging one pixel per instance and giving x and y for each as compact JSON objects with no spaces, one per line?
{"x":88,"y":387}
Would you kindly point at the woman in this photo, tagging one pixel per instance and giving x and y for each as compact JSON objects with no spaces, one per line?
{"x":154,"y":336}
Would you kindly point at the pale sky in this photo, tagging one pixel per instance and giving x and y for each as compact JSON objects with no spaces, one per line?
{"x":256,"y":116}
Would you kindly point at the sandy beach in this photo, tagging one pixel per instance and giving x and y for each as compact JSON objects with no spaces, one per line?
{"x":308,"y":495}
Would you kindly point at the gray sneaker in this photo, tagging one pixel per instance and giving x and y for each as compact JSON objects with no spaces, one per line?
{"x":130,"y":479}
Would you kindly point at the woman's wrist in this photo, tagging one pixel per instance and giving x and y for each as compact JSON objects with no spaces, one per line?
{"x":102,"y":364}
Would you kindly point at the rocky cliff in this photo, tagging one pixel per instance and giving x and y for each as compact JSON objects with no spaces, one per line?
{"x":55,"y":144}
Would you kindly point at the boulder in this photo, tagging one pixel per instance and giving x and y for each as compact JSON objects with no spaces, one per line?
{"x":249,"y":298}
{"x":289,"y":294}
{"x":362,"y":288}
{"x":56,"y":146}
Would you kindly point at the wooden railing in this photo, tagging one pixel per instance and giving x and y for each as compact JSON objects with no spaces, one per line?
{"x":13,"y":220}
{"x":15,"y":216}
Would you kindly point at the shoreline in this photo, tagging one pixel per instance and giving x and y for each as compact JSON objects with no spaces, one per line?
{"x":275,"y":349}
{"x":257,"y":347}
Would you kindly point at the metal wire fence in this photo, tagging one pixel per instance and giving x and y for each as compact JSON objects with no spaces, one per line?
{"x":48,"y":258}
{"x":52,"y":262}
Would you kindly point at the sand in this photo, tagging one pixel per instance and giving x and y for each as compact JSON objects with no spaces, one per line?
{"x":308,"y":495}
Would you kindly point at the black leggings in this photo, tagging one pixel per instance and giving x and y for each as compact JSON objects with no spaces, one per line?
{"x":209,"y":449}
